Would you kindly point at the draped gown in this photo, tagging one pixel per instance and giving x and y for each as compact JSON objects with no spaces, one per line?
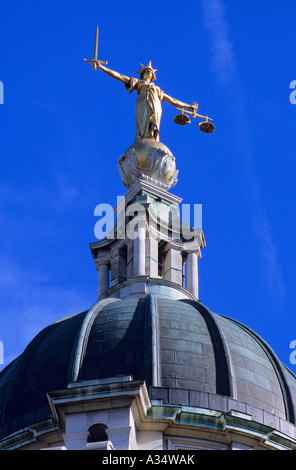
{"x":148,"y":108}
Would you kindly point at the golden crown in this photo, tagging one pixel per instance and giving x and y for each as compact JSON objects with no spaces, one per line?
{"x":147,"y":67}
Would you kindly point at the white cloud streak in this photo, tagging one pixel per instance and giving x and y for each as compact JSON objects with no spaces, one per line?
{"x":224,"y":67}
{"x":223,"y":57}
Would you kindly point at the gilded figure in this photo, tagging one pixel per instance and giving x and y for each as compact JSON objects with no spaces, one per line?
{"x":150,"y":96}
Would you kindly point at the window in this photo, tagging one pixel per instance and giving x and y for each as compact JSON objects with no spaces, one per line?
{"x":97,"y":433}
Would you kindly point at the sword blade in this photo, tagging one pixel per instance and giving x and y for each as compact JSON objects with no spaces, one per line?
{"x":96,"y":44}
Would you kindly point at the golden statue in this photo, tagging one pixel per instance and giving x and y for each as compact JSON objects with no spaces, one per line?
{"x":148,"y":104}
{"x":150,"y":96}
{"x":147,"y":156}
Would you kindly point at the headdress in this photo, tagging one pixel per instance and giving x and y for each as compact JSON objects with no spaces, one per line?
{"x":147,"y":67}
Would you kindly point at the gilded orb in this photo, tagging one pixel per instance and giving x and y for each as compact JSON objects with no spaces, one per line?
{"x":151,"y":159}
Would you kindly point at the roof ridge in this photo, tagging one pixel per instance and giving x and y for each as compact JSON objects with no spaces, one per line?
{"x":80,"y":344}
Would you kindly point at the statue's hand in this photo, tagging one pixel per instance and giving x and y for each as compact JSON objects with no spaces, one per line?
{"x":194,"y":107}
{"x":96,"y":64}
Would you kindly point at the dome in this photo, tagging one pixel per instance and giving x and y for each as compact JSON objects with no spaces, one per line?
{"x":185,"y":353}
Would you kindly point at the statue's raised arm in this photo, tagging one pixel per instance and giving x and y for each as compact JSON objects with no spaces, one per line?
{"x":180,"y":104}
{"x":147,"y":156}
{"x":150,"y":96}
{"x":112,"y":73}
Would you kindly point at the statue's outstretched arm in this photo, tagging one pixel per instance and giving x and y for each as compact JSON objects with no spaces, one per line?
{"x":118,"y":76}
{"x":177,"y":103}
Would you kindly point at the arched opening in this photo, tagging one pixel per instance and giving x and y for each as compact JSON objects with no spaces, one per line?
{"x":97,"y":433}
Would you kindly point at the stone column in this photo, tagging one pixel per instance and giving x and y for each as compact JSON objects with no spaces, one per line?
{"x":173,"y":266}
{"x":139,"y":252}
{"x":118,"y":266}
{"x":103,"y":284}
{"x":192,"y":273}
{"x":130,"y":258}
{"x":151,"y":257}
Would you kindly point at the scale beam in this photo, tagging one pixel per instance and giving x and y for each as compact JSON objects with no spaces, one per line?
{"x":182,"y":119}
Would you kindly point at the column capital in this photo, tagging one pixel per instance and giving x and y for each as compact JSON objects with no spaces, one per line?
{"x":102,"y":259}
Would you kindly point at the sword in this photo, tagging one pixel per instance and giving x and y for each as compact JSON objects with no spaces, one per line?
{"x":95,"y":60}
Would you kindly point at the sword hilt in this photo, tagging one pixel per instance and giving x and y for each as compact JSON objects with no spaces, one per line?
{"x":95,"y":61}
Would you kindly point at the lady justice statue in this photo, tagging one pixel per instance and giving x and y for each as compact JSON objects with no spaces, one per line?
{"x":148,"y":104}
{"x":149,"y":155}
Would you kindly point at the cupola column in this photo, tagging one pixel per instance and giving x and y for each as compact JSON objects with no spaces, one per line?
{"x":118,"y":266}
{"x":173,"y":266}
{"x":130,"y":258}
{"x":139,"y":251}
{"x":192,"y":273}
{"x":151,"y":256}
{"x":103,"y":284}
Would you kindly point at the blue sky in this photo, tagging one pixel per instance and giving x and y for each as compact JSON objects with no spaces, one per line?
{"x":64,"y":126}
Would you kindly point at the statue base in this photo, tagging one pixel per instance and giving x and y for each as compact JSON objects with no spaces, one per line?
{"x":150,"y":158}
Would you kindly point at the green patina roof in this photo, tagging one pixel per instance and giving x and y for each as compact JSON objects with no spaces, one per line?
{"x":178,"y":347}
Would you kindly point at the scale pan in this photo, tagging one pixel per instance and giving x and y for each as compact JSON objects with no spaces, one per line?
{"x":206,"y":127}
{"x":182,"y":119}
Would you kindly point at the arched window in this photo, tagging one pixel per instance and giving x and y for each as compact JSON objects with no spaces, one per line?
{"x":97,"y":433}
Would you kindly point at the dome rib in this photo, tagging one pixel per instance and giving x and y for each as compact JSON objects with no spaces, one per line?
{"x":80,"y":345}
{"x":224,"y":384}
{"x":152,"y":349}
{"x":116,"y":342}
{"x":287,"y":397}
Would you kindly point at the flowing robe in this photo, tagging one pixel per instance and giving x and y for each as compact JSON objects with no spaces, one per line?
{"x":148,"y":108}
